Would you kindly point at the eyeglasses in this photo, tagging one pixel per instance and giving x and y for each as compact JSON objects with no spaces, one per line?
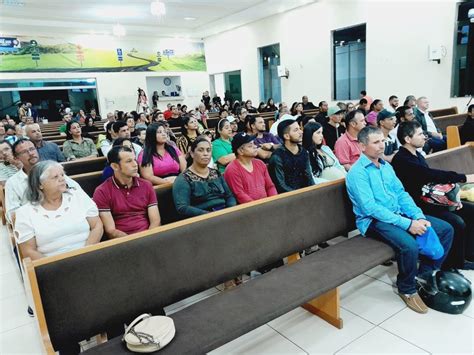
{"x":29,"y":150}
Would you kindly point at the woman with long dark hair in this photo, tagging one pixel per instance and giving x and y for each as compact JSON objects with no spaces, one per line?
{"x":324,"y":164}
{"x":222,"y":147}
{"x":76,"y":146}
{"x":375,"y":107}
{"x":270,"y":107}
{"x":189,"y":133}
{"x":249,"y":107}
{"x":159,"y":161}
{"x":200,"y":189}
{"x":89,"y":127}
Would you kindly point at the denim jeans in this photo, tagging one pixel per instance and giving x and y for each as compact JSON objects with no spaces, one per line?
{"x":463,"y":223}
{"x":406,"y":249}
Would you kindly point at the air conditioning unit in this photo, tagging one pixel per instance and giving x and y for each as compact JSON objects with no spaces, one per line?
{"x":282,"y":71}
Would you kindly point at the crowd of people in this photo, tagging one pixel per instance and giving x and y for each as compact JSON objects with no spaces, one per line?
{"x":380,"y":151}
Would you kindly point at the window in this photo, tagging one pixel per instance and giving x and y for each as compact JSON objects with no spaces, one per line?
{"x":270,"y":82}
{"x":349,"y":62}
{"x":463,"y":61}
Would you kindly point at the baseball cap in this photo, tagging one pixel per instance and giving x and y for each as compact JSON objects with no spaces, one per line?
{"x":240,"y":139}
{"x":230,"y":119}
{"x":385,"y":114}
{"x":334,"y":110}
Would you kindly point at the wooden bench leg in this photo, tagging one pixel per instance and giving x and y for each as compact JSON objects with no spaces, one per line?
{"x":326,"y":306}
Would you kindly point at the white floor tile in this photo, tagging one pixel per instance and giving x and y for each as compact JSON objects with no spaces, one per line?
{"x":370,"y":299}
{"x":8,"y":264}
{"x":14,"y":313}
{"x":435,"y":332}
{"x":22,"y":340}
{"x":387,"y":274}
{"x":190,"y":300}
{"x":379,"y":341}
{"x":10,"y":285}
{"x":263,"y":340}
{"x":315,"y":335}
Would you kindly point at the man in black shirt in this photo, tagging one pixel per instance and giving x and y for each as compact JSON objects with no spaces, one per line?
{"x":333,"y":129}
{"x":467,"y":130}
{"x":307,"y":105}
{"x":414,"y":172}
{"x":289,"y":165}
{"x":322,"y":116}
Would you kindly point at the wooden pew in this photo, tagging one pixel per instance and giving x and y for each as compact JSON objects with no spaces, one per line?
{"x":445,"y":111}
{"x":76,"y":167}
{"x":213,"y":258}
{"x":192,"y":255}
{"x":453,"y":136}
{"x":442,"y":122}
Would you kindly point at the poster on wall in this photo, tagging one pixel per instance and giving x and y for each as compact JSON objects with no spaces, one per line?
{"x":96,"y":53}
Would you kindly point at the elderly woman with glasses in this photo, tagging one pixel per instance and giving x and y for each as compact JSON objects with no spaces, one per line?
{"x":56,"y":218}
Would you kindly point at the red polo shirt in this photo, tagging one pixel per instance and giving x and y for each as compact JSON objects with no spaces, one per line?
{"x":129,"y":206}
{"x":347,"y":149}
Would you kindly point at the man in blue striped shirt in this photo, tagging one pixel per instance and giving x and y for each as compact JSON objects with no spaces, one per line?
{"x":384,"y":210}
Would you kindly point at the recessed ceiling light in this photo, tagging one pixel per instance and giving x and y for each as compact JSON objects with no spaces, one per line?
{"x":157,"y":8}
{"x":190,"y":18}
{"x":118,"y":30}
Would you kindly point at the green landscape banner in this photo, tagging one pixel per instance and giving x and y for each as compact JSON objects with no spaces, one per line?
{"x":96,"y":53}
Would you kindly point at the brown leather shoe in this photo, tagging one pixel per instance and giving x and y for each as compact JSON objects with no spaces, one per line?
{"x":414,"y":302}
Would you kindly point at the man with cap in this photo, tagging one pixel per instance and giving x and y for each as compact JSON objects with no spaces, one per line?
{"x":233,"y":124}
{"x":246,"y":176}
{"x":333,"y":129}
{"x":347,"y":147}
{"x":386,"y":122}
{"x":289,"y":165}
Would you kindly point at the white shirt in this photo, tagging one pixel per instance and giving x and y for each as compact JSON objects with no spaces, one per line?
{"x":57,"y":231}
{"x":274,"y":127}
{"x":430,"y":125}
{"x":15,"y":191}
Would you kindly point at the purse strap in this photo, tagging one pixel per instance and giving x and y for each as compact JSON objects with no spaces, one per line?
{"x":135,"y":322}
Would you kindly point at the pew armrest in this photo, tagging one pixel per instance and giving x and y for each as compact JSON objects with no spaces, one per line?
{"x":453,"y":137}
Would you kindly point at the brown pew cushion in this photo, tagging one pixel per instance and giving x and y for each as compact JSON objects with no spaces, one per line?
{"x":219,"y":319}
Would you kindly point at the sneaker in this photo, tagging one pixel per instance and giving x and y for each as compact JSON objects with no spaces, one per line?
{"x":311,"y":250}
{"x":30,"y":312}
{"x":414,"y":302}
{"x":468,"y":265}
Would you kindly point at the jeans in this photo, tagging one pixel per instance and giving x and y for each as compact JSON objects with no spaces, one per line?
{"x":463,"y":223}
{"x":406,"y":249}
{"x":435,"y":144}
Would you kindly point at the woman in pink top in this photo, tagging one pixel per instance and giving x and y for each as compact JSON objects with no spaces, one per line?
{"x":160,"y":162}
{"x":246,"y":176}
{"x":375,"y":108}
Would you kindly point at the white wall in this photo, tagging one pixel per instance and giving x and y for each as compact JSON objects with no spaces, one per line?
{"x":398,"y":35}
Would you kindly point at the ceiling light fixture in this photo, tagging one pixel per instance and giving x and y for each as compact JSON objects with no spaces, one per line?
{"x":118,"y":30}
{"x":157,"y":8}
{"x":190,"y":18}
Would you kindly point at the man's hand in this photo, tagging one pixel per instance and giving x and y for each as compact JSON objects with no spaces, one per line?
{"x":267,"y":146}
{"x":418,"y":227}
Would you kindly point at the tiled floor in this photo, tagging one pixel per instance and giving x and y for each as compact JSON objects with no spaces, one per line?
{"x":375,"y":322}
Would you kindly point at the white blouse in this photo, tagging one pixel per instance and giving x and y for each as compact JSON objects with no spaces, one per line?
{"x":57,"y":231}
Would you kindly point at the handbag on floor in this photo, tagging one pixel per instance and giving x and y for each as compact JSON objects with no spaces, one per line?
{"x":149,"y":333}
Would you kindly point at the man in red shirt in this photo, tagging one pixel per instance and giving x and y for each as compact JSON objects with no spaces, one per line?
{"x":127,"y":204}
{"x":246,"y":176}
{"x":167,"y":113}
{"x":347,"y":147}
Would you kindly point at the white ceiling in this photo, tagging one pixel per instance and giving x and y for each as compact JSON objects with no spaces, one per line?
{"x":98,"y":16}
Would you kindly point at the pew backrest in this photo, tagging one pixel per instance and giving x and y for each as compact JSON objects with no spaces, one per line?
{"x":443,"y":122}
{"x":444,"y":111}
{"x":169,"y":263}
{"x":77,"y":167}
{"x":459,"y":159}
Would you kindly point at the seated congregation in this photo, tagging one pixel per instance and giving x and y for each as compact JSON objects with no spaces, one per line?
{"x":213,"y":164}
